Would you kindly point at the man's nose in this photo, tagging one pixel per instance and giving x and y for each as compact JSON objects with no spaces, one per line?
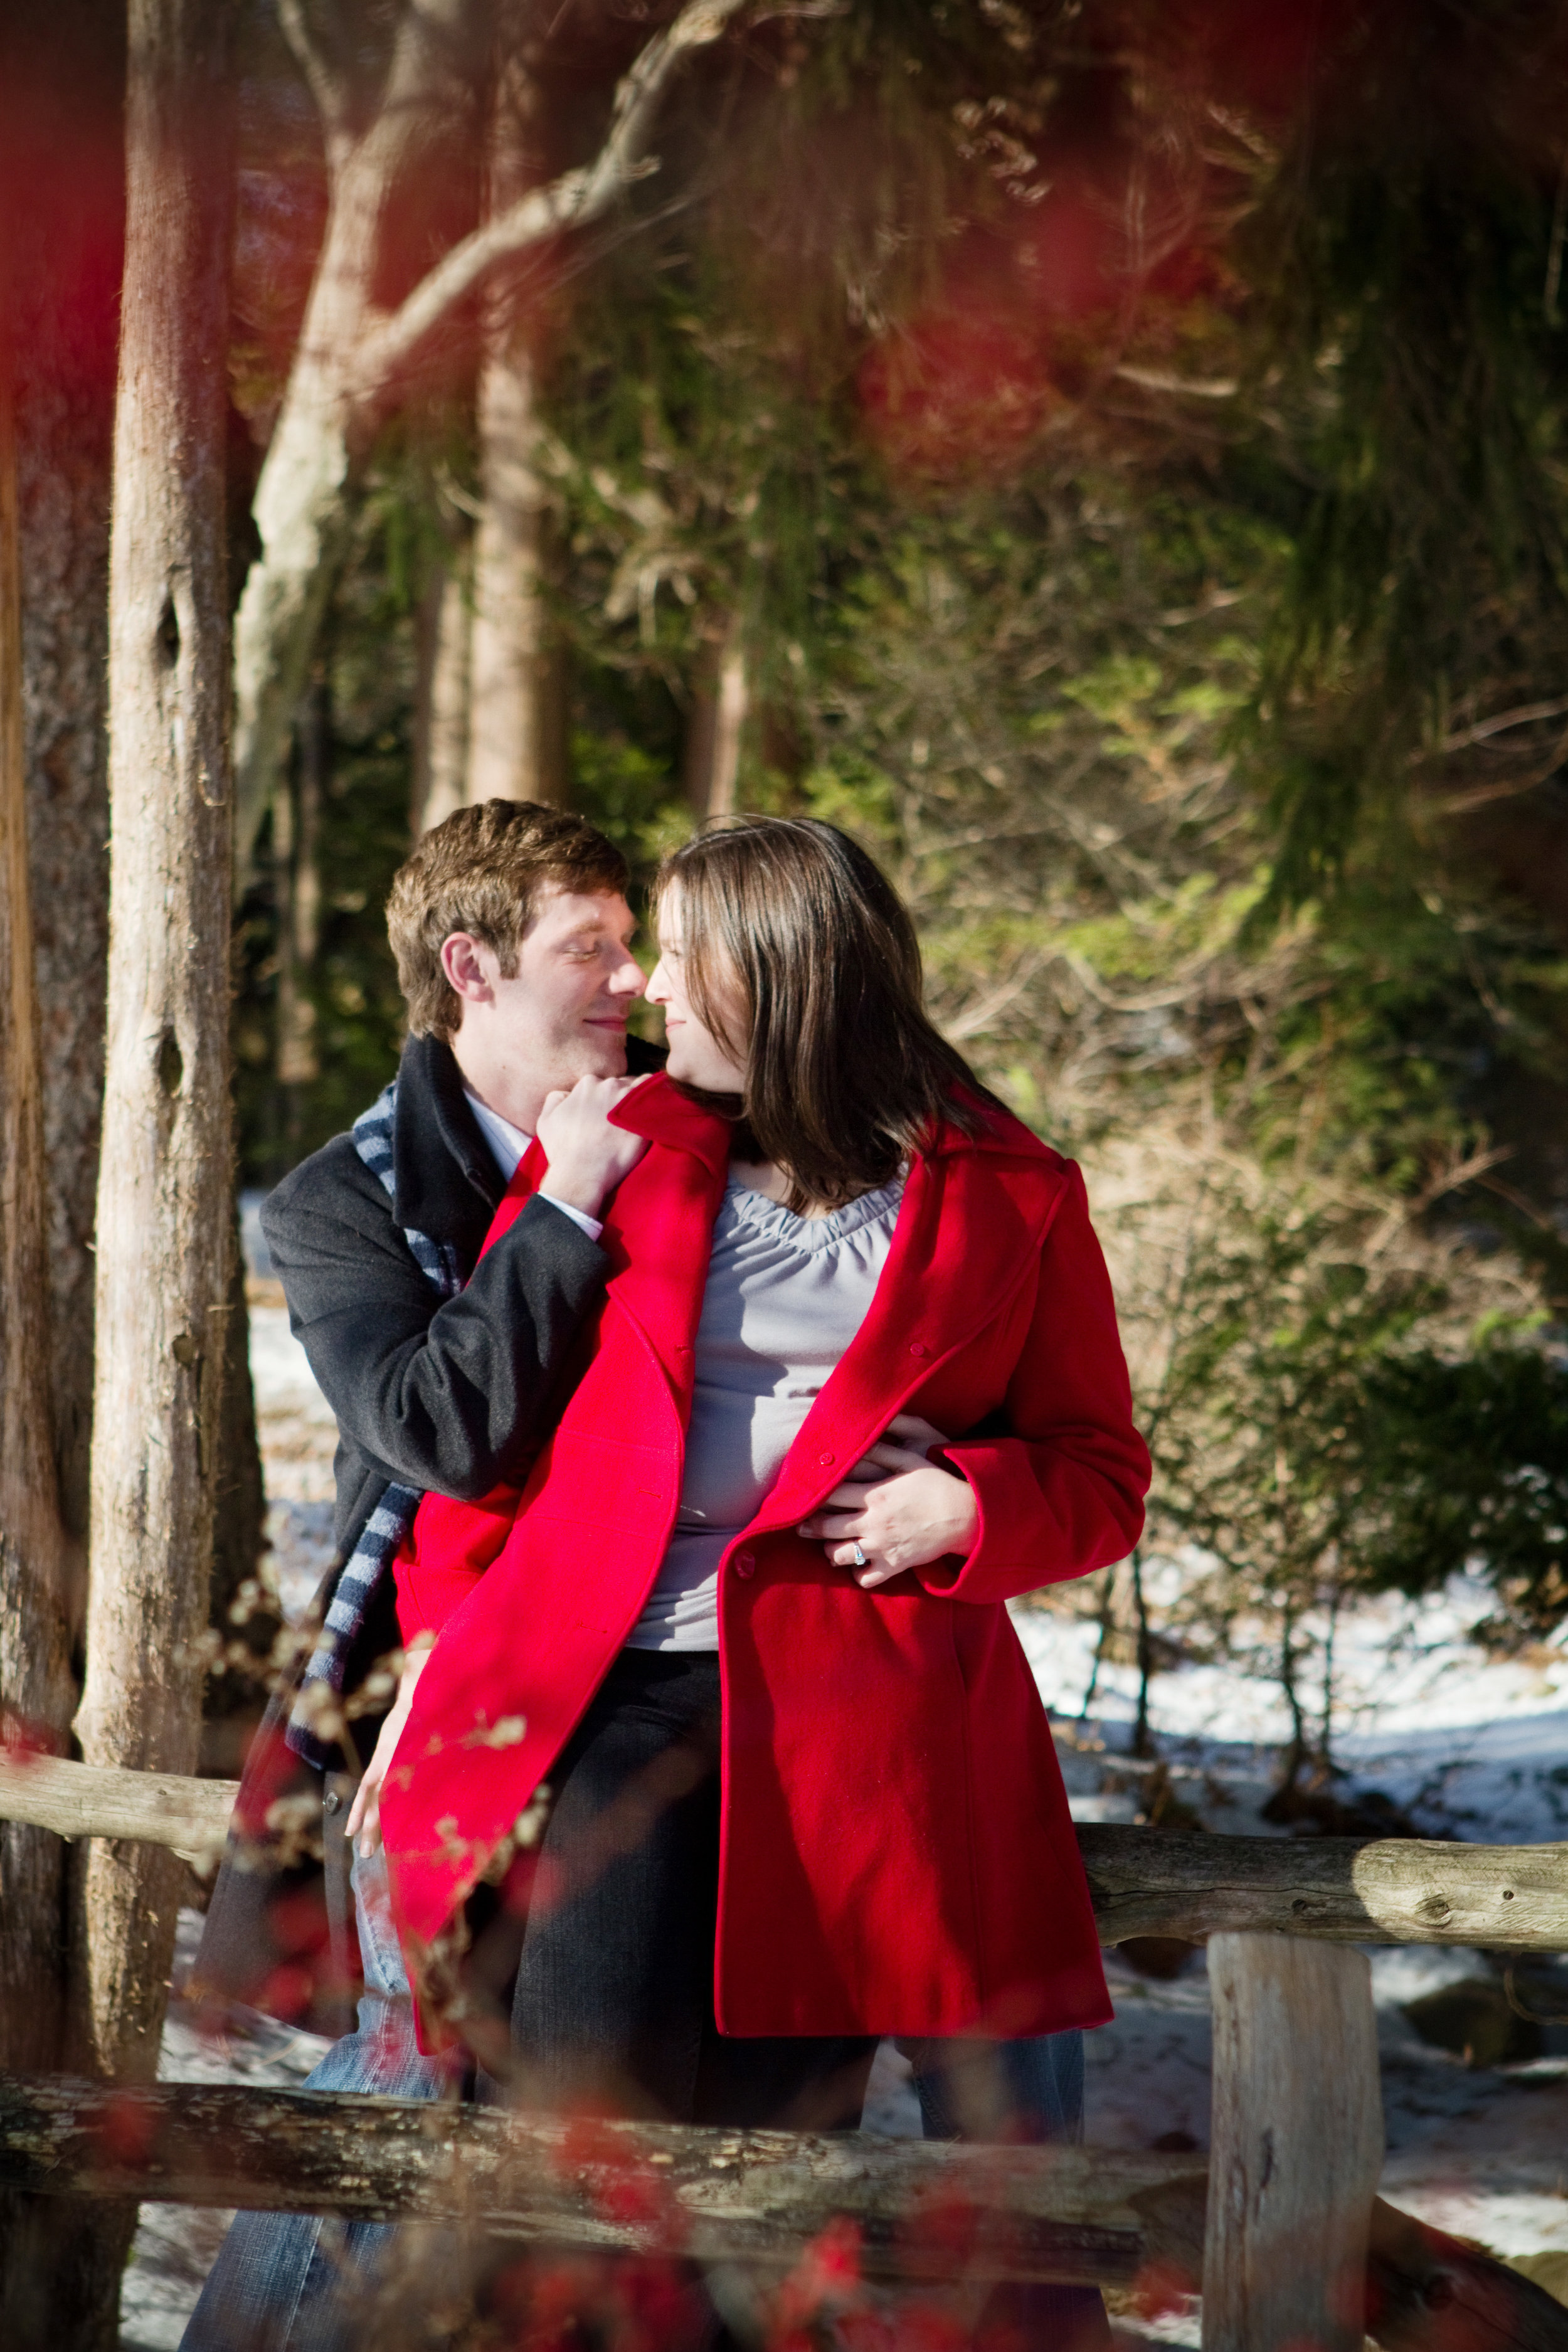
{"x":630,"y":980}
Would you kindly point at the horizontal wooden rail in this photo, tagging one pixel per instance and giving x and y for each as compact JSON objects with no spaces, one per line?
{"x":922,"y":2210}
{"x":1380,"y":1890}
{"x":1145,"y":1883}
{"x":919,"y":2211}
{"x":95,"y":1801}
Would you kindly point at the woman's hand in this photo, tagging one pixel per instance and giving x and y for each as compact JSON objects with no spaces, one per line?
{"x":587,"y":1156}
{"x":365,"y":1814}
{"x":897,"y":1508}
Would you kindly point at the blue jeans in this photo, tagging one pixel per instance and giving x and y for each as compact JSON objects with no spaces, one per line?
{"x":276,"y":2284}
{"x":1018,"y":2091}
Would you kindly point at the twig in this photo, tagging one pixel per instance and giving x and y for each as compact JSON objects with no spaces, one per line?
{"x":569,"y":202}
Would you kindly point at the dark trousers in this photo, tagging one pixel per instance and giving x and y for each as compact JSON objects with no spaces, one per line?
{"x":613,"y":2005}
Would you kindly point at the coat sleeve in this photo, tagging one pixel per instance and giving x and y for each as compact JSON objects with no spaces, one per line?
{"x":450,"y":1395}
{"x":1063,"y":1493}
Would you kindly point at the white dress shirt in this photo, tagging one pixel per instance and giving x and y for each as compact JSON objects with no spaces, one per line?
{"x":507,"y":1144}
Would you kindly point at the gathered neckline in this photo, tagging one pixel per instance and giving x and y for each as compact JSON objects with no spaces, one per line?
{"x":812,"y":1234}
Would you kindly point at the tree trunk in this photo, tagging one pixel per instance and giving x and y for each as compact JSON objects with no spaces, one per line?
{"x":63,"y":75}
{"x":296,"y":849}
{"x":164,"y":1215}
{"x":61,"y":96}
{"x":720,"y":702}
{"x":516,"y":731}
{"x":517,"y":749}
{"x":37,"y":1690}
{"x":301,"y":509}
{"x":441,"y":701}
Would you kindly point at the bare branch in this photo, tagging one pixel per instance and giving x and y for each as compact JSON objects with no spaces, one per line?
{"x":1529,"y":714}
{"x":327,"y":85}
{"x":567,"y":203}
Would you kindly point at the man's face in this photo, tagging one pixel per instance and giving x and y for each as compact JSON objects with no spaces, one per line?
{"x":563,"y":1013}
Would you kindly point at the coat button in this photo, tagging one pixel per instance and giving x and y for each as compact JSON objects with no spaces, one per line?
{"x":918,"y":1348}
{"x":331,"y":1801}
{"x":746,"y":1563}
{"x":826,"y":1459}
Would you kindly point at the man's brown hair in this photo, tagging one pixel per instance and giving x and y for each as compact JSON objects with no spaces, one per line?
{"x":846,"y":1077}
{"x":482,"y":870}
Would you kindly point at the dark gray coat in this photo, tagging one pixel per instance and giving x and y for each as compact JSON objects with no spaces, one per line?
{"x":453,"y":1395}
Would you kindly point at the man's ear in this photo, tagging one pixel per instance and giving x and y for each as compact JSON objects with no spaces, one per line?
{"x":470,"y":968}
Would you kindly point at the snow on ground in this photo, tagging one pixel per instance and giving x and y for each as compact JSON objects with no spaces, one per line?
{"x":1462,"y":1745}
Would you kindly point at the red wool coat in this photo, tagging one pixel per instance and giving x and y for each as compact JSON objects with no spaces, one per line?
{"x":896,"y":1854}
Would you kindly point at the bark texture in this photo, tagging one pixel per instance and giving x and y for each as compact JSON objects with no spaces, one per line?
{"x":301,"y":507}
{"x":1296,"y":2147}
{"x":715,"y":724}
{"x":45,"y":2258}
{"x":1387,"y":1891}
{"x":441,"y":704}
{"x":37,"y":1689}
{"x":517,"y":732}
{"x":1030,"y":2213}
{"x":164,"y":1208}
{"x":63,"y":70}
{"x":517,"y":714}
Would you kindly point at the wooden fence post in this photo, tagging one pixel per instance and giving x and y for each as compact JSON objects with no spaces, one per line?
{"x":1296,"y":2146}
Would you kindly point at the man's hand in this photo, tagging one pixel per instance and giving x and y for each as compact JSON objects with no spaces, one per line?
{"x":365,"y":1814}
{"x":897,"y":1508}
{"x":587,"y":1156}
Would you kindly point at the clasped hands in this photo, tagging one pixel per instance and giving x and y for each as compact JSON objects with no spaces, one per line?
{"x":896,"y":1507}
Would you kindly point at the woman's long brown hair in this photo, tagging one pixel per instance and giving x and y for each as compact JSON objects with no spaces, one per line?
{"x":846,"y":1077}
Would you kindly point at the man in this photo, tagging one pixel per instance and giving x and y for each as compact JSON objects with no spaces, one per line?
{"x":511,"y":931}
{"x":512,"y":935}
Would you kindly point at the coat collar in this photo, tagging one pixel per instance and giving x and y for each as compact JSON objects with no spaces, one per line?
{"x":662,"y":1113}
{"x":446,"y":1183}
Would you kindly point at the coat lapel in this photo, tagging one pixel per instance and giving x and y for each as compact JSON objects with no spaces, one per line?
{"x":659,"y":1227}
{"x":962,"y":1245}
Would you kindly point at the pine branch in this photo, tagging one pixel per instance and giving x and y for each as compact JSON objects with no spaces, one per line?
{"x":570,"y":202}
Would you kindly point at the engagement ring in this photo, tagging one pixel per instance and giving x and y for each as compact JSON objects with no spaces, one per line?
{"x":859,"y":1556}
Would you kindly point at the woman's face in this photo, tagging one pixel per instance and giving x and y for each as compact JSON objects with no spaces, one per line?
{"x":697,"y":1057}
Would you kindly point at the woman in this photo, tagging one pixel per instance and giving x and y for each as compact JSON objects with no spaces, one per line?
{"x":899,"y":1282}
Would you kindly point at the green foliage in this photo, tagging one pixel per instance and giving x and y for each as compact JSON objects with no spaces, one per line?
{"x":1178,"y":709}
{"x":1465,"y":1466}
{"x":1407,"y":254}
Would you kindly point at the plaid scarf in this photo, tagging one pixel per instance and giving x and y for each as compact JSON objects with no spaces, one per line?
{"x":316,"y":1713}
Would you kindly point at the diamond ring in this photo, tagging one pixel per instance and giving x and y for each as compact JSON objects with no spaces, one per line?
{"x":859,"y":1556}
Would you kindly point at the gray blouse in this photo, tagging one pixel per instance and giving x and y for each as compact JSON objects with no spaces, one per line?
{"x":785,"y":1296}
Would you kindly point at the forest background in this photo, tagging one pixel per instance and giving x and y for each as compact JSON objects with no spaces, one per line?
{"x":1112,"y":459}
{"x":1111,"y":456}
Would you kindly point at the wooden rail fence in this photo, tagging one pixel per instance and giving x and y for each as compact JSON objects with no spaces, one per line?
{"x":1281,"y":2223}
